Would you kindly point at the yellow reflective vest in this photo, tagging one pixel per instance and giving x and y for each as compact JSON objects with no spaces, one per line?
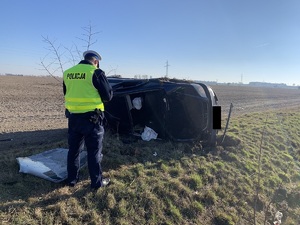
{"x":81,"y":95}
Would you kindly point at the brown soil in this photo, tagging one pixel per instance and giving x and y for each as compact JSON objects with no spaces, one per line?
{"x":247,"y":99}
{"x":32,"y":108}
{"x":31,"y":111}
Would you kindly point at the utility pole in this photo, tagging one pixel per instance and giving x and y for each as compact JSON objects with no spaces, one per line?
{"x":167,"y":67}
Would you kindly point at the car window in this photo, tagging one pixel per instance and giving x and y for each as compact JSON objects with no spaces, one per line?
{"x":199,"y":90}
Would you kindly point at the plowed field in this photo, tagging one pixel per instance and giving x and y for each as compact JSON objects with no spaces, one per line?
{"x":32,"y":108}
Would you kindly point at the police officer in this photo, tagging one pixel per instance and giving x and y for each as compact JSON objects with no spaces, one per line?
{"x":86,"y":89}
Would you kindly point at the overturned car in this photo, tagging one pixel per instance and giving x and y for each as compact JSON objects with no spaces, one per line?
{"x":172,"y":109}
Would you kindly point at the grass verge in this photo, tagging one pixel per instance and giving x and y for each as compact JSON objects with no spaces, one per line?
{"x":171,"y":183}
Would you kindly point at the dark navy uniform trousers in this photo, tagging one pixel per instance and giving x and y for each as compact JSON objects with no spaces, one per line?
{"x":81,"y":129}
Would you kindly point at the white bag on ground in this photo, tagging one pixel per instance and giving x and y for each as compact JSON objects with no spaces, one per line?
{"x":50,"y":165}
{"x":148,"y":134}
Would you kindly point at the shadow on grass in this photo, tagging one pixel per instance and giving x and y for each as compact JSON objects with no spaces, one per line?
{"x":18,"y":141}
{"x":14,"y":185}
{"x":16,"y":188}
{"x":20,"y":190}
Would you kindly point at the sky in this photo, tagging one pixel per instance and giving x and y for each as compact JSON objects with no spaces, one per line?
{"x":208,"y":40}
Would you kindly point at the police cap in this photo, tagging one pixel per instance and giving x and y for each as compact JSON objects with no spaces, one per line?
{"x":91,"y":53}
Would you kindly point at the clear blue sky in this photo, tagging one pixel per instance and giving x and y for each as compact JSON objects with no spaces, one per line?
{"x":208,"y":40}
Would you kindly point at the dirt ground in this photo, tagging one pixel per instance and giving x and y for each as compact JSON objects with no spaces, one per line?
{"x":247,"y":99}
{"x":31,"y":111}
{"x":32,"y":108}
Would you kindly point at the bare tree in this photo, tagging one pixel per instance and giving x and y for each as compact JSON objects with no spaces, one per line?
{"x":54,"y":52}
{"x":59,"y":55}
{"x":70,"y":56}
{"x":88,"y":36}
